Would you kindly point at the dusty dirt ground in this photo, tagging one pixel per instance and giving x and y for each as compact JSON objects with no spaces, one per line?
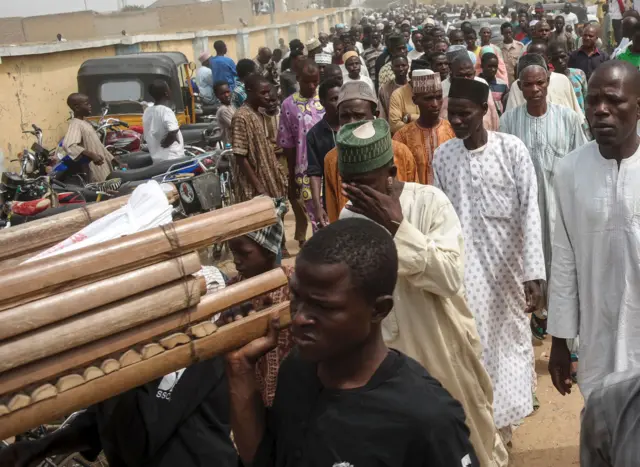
{"x":550,"y":437}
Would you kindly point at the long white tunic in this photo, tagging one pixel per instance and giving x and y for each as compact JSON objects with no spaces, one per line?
{"x":548,"y":138}
{"x":595,"y":273}
{"x":494,"y":192}
{"x":431,"y":321}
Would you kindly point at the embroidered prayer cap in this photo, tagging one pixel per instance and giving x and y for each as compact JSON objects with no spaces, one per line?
{"x":356,"y":90}
{"x":485,"y":25}
{"x":323,"y":59}
{"x":424,"y":81}
{"x":531,"y":60}
{"x":270,"y":238}
{"x":347,"y":55}
{"x":364,"y":147}
{"x":204,"y":56}
{"x":470,"y":89}
{"x":313,"y":43}
{"x":456,"y":51}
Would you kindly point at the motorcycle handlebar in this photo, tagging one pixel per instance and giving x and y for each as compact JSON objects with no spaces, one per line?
{"x":35,"y":127}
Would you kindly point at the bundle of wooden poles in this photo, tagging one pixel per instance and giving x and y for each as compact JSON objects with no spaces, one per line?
{"x":86,"y":325}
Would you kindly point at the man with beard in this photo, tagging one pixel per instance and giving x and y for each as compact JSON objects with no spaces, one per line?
{"x":429,"y":131}
{"x":550,"y":132}
{"x":491,"y":181}
{"x":342,"y":371}
{"x":595,"y":265}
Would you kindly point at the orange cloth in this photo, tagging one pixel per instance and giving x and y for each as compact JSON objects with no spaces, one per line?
{"x":334,"y":198}
{"x":422,"y":142}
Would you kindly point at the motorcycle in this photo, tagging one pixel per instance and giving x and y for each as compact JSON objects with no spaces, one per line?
{"x":116,"y":139}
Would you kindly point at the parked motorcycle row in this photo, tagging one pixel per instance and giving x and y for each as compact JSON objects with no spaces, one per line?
{"x":45,"y":186}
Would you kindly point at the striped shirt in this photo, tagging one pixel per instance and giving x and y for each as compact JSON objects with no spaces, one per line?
{"x":579,"y":82}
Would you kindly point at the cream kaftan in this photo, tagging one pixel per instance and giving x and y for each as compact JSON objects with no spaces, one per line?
{"x":494,"y":192}
{"x":430,"y":321}
{"x":594,"y":289}
{"x":82,"y":136}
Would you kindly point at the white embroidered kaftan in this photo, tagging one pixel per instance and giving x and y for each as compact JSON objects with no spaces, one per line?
{"x":594,"y":289}
{"x":494,"y":192}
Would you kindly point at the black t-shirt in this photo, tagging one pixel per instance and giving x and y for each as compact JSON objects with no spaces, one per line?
{"x":320,"y":140}
{"x":179,"y":420}
{"x":401,"y":418}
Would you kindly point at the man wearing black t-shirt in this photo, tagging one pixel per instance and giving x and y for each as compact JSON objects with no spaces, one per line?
{"x":344,"y":398}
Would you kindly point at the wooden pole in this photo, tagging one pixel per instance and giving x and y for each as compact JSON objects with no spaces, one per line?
{"x":75,"y":301}
{"x":35,"y":236}
{"x":142,"y":248}
{"x":227,"y":338}
{"x":102,"y":322}
{"x":48,"y":368}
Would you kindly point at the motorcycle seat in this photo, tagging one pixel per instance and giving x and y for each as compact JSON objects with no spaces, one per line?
{"x":145,"y":173}
{"x":195,"y":126}
{"x":209,"y":109}
{"x":135,"y":160}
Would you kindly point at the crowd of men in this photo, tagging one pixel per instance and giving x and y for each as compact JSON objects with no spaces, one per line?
{"x":462,"y":191}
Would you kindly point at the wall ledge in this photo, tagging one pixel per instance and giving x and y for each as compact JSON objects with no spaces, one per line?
{"x":55,"y":47}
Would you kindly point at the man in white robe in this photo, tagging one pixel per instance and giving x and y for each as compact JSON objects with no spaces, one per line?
{"x":491,"y":181}
{"x":594,"y":289}
{"x":431,"y":321}
{"x":549,"y":132}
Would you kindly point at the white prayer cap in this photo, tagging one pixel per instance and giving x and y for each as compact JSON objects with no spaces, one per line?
{"x":380,"y":27}
{"x":419,"y":73}
{"x":323,"y":59}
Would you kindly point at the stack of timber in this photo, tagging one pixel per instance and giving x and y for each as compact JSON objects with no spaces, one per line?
{"x":89,"y":324}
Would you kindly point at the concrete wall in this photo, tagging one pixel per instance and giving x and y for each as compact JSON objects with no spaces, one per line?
{"x":11,"y":31}
{"x":87,"y":25}
{"x":133,"y":22}
{"x":35,"y":80}
{"x":73,"y":26}
{"x":33,"y":89}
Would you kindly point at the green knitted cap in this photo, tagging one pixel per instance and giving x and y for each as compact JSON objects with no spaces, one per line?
{"x":364,"y":147}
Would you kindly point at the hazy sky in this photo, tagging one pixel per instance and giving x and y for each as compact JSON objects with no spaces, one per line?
{"x":47,"y":7}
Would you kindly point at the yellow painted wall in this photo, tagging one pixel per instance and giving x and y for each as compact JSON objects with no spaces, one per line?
{"x":34,"y":89}
{"x":257,"y":39}
{"x":232,"y":49}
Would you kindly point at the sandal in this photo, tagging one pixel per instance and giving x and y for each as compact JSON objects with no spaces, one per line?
{"x":538,"y":327}
{"x":574,"y":368}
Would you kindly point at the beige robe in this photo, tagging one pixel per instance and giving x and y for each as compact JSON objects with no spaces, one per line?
{"x":82,"y":136}
{"x":431,"y":321}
